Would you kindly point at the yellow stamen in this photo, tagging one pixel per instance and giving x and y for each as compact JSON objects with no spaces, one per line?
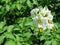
{"x":49,"y":21}
{"x":46,"y":15}
{"x":36,"y":12}
{"x":41,"y":13}
{"x":39,"y":20}
{"x":52,"y":28}
{"x":41,"y":29}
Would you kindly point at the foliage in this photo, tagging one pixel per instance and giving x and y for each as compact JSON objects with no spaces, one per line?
{"x":17,"y":27}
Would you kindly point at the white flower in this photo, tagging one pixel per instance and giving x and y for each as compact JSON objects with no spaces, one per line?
{"x":50,"y":26}
{"x":48,"y":11}
{"x":34,"y":12}
{"x":42,"y":12}
{"x":35,"y":18}
{"x":38,"y":18}
{"x":45,"y":21}
{"x":50,"y":17}
{"x":45,"y":12}
{"x":42,"y":18}
{"x":42,"y":26}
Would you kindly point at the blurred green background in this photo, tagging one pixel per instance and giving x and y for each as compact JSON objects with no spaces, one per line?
{"x":17,"y":26}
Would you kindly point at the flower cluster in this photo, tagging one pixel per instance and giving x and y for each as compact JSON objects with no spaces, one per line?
{"x":42,"y":18}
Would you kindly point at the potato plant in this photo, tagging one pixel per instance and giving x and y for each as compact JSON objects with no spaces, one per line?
{"x":17,"y":26}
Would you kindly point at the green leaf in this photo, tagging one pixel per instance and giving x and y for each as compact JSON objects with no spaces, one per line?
{"x":2,"y":30}
{"x":18,"y":43}
{"x":1,"y":38}
{"x":7,"y":1}
{"x":1,"y":25}
{"x":48,"y":43}
{"x":19,"y":6}
{"x":7,"y":7}
{"x":13,"y":7}
{"x":42,"y":38}
{"x":57,"y":36}
{"x":9,"y":35}
{"x":10,"y":28}
{"x":36,"y":31}
{"x":28,"y":24}
{"x":34,"y":1}
{"x":47,"y":32}
{"x":54,"y":42}
{"x":29,"y":3}
{"x":10,"y":42}
{"x":27,"y":35}
{"x":16,"y":28}
{"x":22,"y":1}
{"x":19,"y":39}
